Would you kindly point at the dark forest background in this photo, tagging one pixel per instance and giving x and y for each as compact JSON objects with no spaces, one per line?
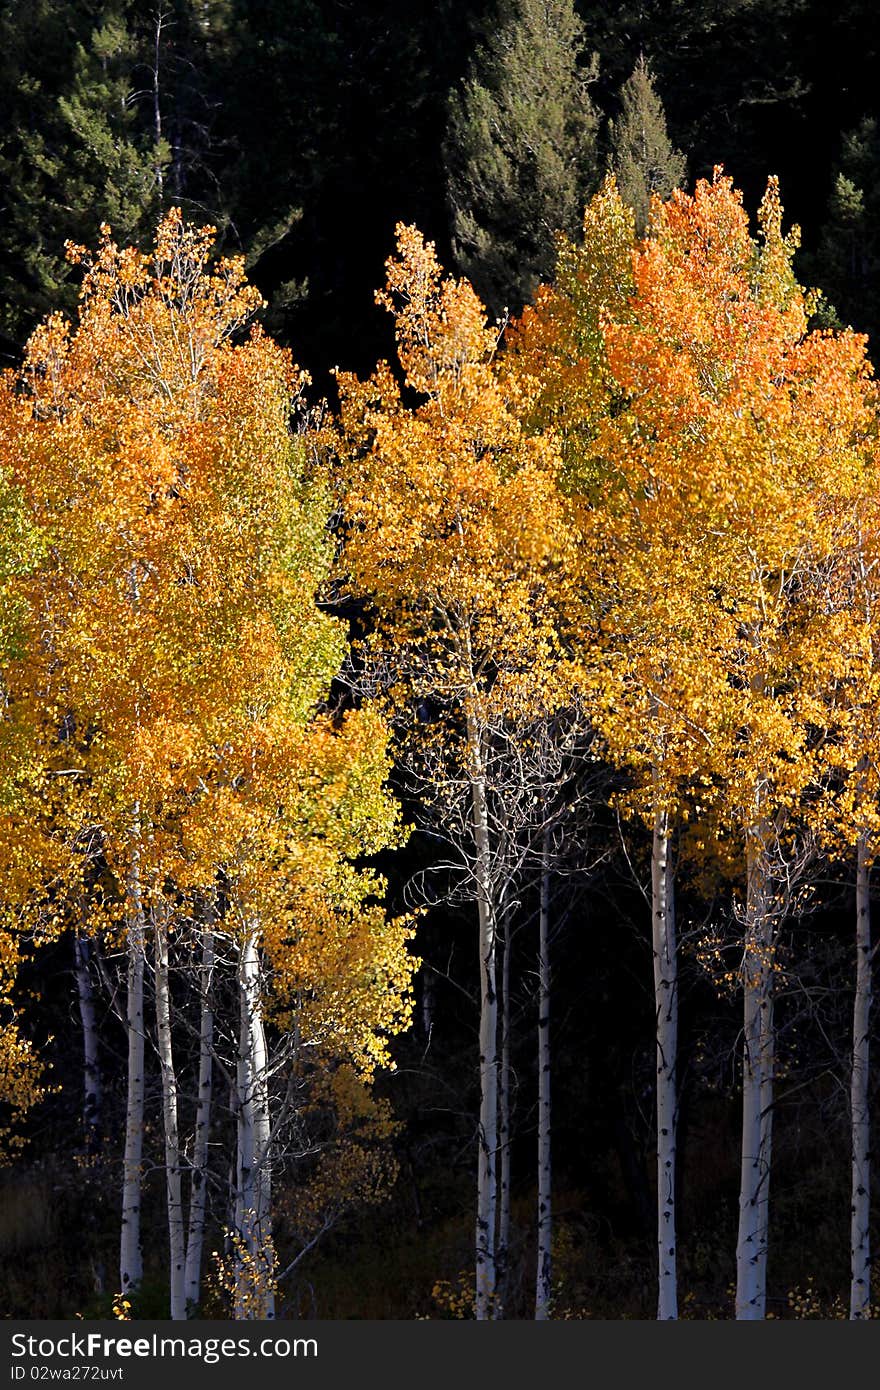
{"x":305,"y":129}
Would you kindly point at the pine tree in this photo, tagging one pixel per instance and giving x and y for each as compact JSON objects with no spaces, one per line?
{"x":520,"y":150}
{"x":642,"y":156}
{"x":847,"y":264}
{"x":107,"y":117}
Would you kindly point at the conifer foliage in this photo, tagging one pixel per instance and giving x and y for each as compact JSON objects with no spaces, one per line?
{"x":643,"y":159}
{"x":521,"y":149}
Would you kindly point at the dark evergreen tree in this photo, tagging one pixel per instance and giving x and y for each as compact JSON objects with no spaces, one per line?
{"x":735,"y":76}
{"x":109,"y":113}
{"x":847,"y":263}
{"x":37,"y":43}
{"x":641,"y":153}
{"x":113,"y":153}
{"x":521,"y":149}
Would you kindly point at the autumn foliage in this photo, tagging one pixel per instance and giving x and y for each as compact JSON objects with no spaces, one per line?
{"x":181,"y":769}
{"x":634,"y":536}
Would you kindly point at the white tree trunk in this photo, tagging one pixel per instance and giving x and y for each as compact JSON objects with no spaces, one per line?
{"x":487,"y":1164}
{"x":544,"y":1283}
{"x":91,"y":1064}
{"x":504,"y":1130}
{"x":130,"y":1254}
{"x":199,"y":1180}
{"x":666,"y":1007}
{"x":173,"y":1176}
{"x":860,"y":1290}
{"x":255,"y":1297}
{"x":92,"y":1091}
{"x":758,"y":1078}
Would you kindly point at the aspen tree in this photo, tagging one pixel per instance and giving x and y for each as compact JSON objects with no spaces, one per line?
{"x":195,"y":1235}
{"x":848,"y":599}
{"x":860,"y":1226}
{"x":110,"y":405}
{"x":184,"y":644}
{"x":20,"y":552}
{"x":453,"y":527}
{"x":739,"y":415}
{"x":544,"y":1283}
{"x":698,"y":421}
{"x":92,"y":1088}
{"x":636,"y":636}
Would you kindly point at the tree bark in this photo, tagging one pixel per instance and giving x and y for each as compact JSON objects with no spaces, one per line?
{"x":157,"y":103}
{"x":860,"y":1289}
{"x":91,"y":1064}
{"x":487,"y":1174}
{"x":130,"y":1253}
{"x":255,"y":1296}
{"x":199,"y":1179}
{"x":544,"y":1283}
{"x":666,"y":1008}
{"x":92,"y":1096}
{"x":758,"y":1079}
{"x":504,"y":1133}
{"x":173,"y":1175}
{"x":427,"y":1000}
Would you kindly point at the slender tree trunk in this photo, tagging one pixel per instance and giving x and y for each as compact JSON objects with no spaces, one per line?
{"x":544,"y":1283}
{"x":199,"y":1180}
{"x":504,"y":1131}
{"x":130,"y":1254}
{"x":245,"y":1183}
{"x":666,"y":1008}
{"x":173,"y":1175}
{"x":487,"y":1170}
{"x":427,"y":1000}
{"x":262,"y":1132}
{"x":860,"y":1290}
{"x":255,"y":1296}
{"x":758,"y":1079}
{"x":157,"y":102}
{"x":92,"y":1096}
{"x":82,"y":951}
